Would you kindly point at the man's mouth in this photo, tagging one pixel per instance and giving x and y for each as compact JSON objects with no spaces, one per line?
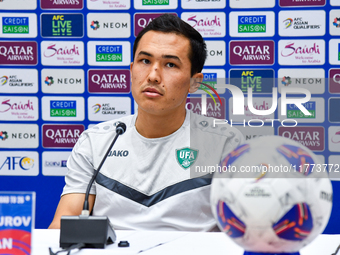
{"x":152,"y":92}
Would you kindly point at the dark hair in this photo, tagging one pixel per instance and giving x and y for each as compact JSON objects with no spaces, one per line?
{"x":169,"y":23}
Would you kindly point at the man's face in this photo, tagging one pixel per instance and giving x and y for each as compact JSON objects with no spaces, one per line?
{"x":161,"y":73}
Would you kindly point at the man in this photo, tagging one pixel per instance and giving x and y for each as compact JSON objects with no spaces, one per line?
{"x":148,"y":184}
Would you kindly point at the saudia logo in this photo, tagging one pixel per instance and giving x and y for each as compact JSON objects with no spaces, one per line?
{"x":186,"y":157}
{"x":7,"y":105}
{"x":290,"y":49}
{"x":205,"y":23}
{"x":109,"y":53}
{"x":15,"y":25}
{"x":155,"y":2}
{"x":252,"y":24}
{"x":52,"y":50}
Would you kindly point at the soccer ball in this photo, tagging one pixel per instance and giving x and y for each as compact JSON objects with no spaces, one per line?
{"x":271,"y":195}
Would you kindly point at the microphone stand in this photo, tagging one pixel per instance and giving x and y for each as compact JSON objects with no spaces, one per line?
{"x":92,"y":231}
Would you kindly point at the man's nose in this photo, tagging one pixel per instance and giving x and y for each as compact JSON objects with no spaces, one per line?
{"x":155,"y":74}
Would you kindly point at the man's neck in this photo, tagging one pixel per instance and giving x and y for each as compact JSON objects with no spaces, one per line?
{"x":156,"y":126}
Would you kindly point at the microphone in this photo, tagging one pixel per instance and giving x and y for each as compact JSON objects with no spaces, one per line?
{"x":93,"y":231}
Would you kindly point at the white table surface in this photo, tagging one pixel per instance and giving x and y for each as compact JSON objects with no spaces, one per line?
{"x":174,"y":243}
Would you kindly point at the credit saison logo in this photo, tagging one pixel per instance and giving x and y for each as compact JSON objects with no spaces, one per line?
{"x":109,"y":53}
{"x":13,"y":163}
{"x":252,"y":24}
{"x":15,"y":25}
{"x":62,"y":25}
{"x":210,"y":79}
{"x":63,"y":108}
{"x":294,"y":112}
{"x":155,"y":2}
{"x":261,"y":81}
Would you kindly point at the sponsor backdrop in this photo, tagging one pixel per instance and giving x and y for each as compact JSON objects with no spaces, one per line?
{"x":64,"y":66}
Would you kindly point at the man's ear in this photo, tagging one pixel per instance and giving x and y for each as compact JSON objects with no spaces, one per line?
{"x":195,"y":82}
{"x":131,"y":65}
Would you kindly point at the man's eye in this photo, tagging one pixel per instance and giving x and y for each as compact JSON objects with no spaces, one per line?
{"x":145,"y":61}
{"x":170,"y":64}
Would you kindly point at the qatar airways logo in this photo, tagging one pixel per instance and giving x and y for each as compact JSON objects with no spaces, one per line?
{"x":62,"y":53}
{"x":301,"y":52}
{"x":18,"y":53}
{"x":206,"y":23}
{"x":251,"y":52}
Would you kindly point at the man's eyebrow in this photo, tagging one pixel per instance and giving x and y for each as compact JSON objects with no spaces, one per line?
{"x":172,"y":57}
{"x":145,"y":53}
{"x":163,"y":56}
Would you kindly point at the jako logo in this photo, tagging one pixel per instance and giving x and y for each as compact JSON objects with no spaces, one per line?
{"x":25,"y":163}
{"x":118,"y":153}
